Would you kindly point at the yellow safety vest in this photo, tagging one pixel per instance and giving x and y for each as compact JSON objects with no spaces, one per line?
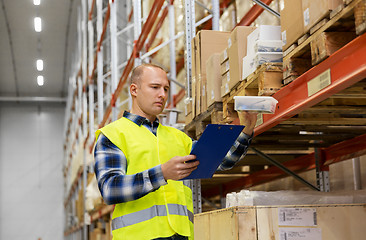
{"x":169,"y":209}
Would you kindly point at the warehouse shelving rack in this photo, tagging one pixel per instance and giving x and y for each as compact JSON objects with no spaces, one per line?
{"x":93,"y":59}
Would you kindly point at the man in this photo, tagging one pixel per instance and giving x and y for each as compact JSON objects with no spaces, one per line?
{"x":139,"y":162}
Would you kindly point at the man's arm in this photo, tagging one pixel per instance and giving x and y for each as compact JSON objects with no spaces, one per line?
{"x":114,"y":185}
{"x":240,"y":147}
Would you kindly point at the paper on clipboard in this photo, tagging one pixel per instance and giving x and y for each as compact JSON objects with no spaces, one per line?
{"x":212,"y":147}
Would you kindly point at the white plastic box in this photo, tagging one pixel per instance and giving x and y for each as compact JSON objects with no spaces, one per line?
{"x":250,"y":63}
{"x":264,"y":57}
{"x":260,"y":104}
{"x":268,"y":46}
{"x":262,"y":33}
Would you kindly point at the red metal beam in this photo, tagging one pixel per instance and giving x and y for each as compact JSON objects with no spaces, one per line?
{"x":347,"y":66}
{"x":149,"y":23}
{"x":252,"y":14}
{"x":91,"y":10}
{"x":137,"y":47}
{"x":100,"y":42}
{"x":339,"y":152}
{"x":157,"y":28}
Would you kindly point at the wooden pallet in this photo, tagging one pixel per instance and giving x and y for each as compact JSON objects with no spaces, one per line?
{"x":326,"y":37}
{"x":265,"y":81}
{"x":213,"y":115}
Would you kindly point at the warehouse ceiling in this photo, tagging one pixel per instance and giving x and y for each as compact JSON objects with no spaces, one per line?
{"x":21,"y":46}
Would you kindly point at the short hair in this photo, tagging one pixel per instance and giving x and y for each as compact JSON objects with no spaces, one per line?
{"x":137,"y":71}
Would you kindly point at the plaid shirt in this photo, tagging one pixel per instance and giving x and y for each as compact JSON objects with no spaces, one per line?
{"x":111,"y":164}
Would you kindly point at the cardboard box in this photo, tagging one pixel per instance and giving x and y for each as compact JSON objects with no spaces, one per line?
{"x":193,"y":80}
{"x":292,"y":22}
{"x":314,"y":12}
{"x":224,"y":56}
{"x":318,"y":222}
{"x":237,"y":49}
{"x":248,"y":67}
{"x":213,"y":79}
{"x":188,"y":111}
{"x":207,"y":43}
{"x":225,"y":79}
{"x":224,"y":67}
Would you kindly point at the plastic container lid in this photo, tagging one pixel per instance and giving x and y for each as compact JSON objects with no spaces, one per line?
{"x":260,"y":104}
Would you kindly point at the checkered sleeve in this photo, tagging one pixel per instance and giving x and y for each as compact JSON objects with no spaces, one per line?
{"x":239,"y":149}
{"x":114,"y":185}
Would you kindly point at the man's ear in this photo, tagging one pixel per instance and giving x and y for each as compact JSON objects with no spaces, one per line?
{"x":133,"y":89}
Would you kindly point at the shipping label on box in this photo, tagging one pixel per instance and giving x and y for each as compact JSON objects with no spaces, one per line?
{"x":297,"y":217}
{"x":300,"y":234}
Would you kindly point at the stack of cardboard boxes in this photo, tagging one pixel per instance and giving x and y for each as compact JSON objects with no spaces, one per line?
{"x":204,"y":44}
{"x":297,"y":19}
{"x":221,"y":59}
{"x":299,"y":16}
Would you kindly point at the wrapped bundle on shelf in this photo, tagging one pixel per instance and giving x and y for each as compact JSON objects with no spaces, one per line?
{"x":263,"y":198}
{"x":264,"y":45}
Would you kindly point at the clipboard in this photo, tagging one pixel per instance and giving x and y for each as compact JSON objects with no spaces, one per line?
{"x":212,"y":147}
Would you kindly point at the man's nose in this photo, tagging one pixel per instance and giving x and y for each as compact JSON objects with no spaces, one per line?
{"x":163,"y":93}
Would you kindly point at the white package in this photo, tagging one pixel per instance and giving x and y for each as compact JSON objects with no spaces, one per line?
{"x":268,"y":46}
{"x":263,"y":32}
{"x":265,"y":57}
{"x":261,"y":104}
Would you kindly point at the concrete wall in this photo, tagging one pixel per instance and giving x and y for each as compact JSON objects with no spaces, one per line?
{"x":31,"y":154}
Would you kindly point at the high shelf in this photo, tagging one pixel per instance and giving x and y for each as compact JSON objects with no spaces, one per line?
{"x":115,"y":36}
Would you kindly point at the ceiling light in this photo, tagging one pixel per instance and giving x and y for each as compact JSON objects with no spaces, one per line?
{"x":40,"y":80}
{"x":37,"y":24}
{"x":39,"y":64}
{"x":36,"y":2}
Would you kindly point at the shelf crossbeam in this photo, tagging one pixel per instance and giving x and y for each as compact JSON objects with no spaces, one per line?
{"x":339,"y":152}
{"x":347,"y":66}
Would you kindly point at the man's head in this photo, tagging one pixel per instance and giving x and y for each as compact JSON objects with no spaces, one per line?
{"x":149,"y":90}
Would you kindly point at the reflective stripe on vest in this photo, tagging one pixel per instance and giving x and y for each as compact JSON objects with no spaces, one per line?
{"x":149,"y":213}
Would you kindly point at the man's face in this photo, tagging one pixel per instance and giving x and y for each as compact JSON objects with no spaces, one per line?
{"x":151,"y":92}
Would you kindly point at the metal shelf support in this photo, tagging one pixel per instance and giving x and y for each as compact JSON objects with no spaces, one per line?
{"x":283,"y":168}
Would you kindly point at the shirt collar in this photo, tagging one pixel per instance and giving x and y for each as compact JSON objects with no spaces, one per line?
{"x":137,"y":119}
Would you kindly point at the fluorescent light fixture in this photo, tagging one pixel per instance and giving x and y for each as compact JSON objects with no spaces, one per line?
{"x":36,"y":2}
{"x":40,"y":80}
{"x":39,"y":64}
{"x":38,"y":24}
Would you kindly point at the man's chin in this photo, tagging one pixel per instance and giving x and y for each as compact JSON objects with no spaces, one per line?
{"x":157,"y":110}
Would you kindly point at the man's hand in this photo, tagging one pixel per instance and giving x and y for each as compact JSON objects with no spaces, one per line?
{"x":179,"y":167}
{"x":248,"y":119}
